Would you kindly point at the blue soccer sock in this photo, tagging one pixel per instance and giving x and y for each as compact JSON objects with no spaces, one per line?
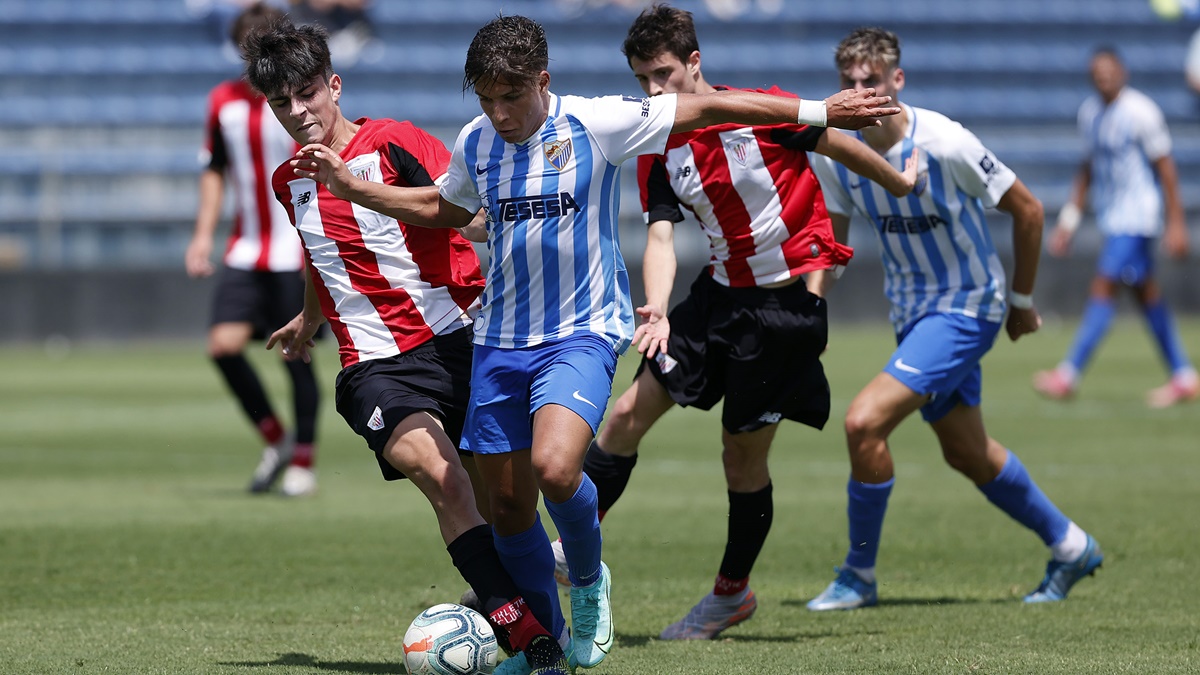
{"x":866,"y":508}
{"x":529,"y":560}
{"x":579,"y":527}
{"x":1015,"y":493}
{"x":1163,"y":328}
{"x":1092,"y":328}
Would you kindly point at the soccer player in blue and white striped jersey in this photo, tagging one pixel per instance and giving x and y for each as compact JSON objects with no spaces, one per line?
{"x":1129,"y":174}
{"x":556,"y":308}
{"x":947,"y":290}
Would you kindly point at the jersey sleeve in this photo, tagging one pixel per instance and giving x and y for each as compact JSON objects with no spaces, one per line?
{"x":459,"y":186}
{"x":212,"y":153}
{"x":417,"y":158}
{"x":798,"y":138}
{"x":975,"y":169}
{"x":659,"y":201}
{"x":627,"y":126}
{"x":1152,"y":133}
{"x":837,"y":199}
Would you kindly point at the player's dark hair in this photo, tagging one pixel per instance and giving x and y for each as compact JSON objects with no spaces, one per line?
{"x":868,"y":45}
{"x":512,"y":48}
{"x":255,"y":17}
{"x":661,"y":28}
{"x":282,"y":58}
{"x":1109,"y":51}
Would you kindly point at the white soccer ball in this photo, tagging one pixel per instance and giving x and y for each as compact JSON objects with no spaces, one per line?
{"x":450,"y":640}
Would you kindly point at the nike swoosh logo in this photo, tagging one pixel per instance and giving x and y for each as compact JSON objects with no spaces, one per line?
{"x":577,"y":397}
{"x":480,"y":171}
{"x":901,"y":365}
{"x":855,"y":186}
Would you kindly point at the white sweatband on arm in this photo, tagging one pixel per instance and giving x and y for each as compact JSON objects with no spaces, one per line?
{"x":1020,"y":300}
{"x":1069,"y":217}
{"x":812,"y":113}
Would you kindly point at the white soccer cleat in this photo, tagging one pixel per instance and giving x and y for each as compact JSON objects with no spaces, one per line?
{"x":561,"y":572}
{"x":270,"y":467}
{"x":298,"y":481}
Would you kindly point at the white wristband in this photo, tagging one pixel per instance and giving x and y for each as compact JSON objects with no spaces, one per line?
{"x":1020,"y":300}
{"x":1069,"y":217}
{"x":812,"y":113}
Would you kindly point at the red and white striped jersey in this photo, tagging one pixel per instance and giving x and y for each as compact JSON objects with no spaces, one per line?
{"x":754,"y":194}
{"x":243,"y":139}
{"x":386,"y":287}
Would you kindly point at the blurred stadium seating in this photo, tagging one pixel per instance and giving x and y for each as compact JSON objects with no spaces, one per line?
{"x":104,"y":99}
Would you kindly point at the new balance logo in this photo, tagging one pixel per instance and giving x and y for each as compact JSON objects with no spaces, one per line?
{"x":303,"y":198}
{"x":575,"y":395}
{"x":770,"y":417}
{"x":683,"y":172}
{"x":376,"y":421}
{"x":901,"y":365}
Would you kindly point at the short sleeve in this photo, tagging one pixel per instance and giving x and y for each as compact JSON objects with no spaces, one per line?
{"x":417,"y":158}
{"x":975,"y":169}
{"x":459,"y":186}
{"x":627,"y":126}
{"x":212,"y":153}
{"x":837,"y":199}
{"x":659,"y":201}
{"x":1152,"y":133}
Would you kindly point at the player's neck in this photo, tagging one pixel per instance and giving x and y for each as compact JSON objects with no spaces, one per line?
{"x":890,"y":132}
{"x":343,"y":131}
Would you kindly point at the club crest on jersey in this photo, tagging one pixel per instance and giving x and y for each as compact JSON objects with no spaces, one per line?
{"x":740,"y":151}
{"x":558,"y":153}
{"x":364,"y":172}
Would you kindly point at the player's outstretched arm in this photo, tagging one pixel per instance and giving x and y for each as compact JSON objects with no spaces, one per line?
{"x":862,"y":160}
{"x":658,"y":277}
{"x":1028,"y":215}
{"x":421,"y":206}
{"x":848,"y":109}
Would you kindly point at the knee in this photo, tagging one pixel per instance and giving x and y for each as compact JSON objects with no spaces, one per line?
{"x":745,"y":471}
{"x":862,"y":426}
{"x":558,"y":479}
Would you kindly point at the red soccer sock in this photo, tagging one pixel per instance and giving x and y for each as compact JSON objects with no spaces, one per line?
{"x":519,"y":622}
{"x":302,"y":455}
{"x":271,"y":430}
{"x":727,"y":586}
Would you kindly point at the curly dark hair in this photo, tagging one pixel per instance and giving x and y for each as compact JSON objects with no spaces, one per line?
{"x":282,"y":58}
{"x":661,"y":28}
{"x":255,"y":17}
{"x":511,"y":48}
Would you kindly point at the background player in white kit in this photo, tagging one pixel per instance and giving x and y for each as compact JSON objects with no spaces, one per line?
{"x":556,"y":309}
{"x":1129,"y":173}
{"x":947,"y":290}
{"x":261,"y":285}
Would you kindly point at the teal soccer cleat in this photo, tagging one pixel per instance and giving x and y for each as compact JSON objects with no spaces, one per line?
{"x":1061,"y":576}
{"x":591,"y":619}
{"x":848,"y":591}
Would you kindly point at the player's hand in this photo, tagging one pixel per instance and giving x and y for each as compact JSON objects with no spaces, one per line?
{"x":1176,"y":242}
{"x":855,"y":109}
{"x":653,"y":333}
{"x":1022,"y":321}
{"x":295,"y":339}
{"x":1060,"y":242}
{"x":325,"y":166}
{"x":911,"y":165}
{"x":195,"y":260}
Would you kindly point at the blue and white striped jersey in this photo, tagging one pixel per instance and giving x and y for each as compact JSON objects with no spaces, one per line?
{"x":1123,"y":139}
{"x":938,"y":256}
{"x":552,"y":203}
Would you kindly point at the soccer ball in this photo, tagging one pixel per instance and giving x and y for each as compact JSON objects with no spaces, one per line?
{"x":450,"y":640}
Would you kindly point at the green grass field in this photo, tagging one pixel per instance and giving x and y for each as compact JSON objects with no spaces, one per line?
{"x":127,"y":543}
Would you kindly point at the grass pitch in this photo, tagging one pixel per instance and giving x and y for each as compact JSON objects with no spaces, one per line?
{"x":128,"y":544}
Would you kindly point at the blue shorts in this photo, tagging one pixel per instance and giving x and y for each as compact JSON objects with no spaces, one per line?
{"x":1128,"y":259}
{"x":939,"y":356}
{"x":509,"y":385}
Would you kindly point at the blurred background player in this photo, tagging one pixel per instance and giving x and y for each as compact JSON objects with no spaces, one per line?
{"x":1129,"y":173}
{"x":946,"y":286}
{"x":750,"y":330}
{"x":556,"y":309}
{"x":261,"y":285}
{"x":399,"y":301}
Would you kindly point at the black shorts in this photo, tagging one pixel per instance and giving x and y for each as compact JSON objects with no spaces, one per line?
{"x":759,"y":348}
{"x":265,"y":300}
{"x":374,"y":396}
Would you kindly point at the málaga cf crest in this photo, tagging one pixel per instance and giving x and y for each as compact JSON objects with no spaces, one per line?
{"x":558,"y":153}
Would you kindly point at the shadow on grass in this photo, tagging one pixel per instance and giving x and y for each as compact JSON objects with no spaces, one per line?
{"x":635,"y":641}
{"x":917,"y":602}
{"x":304,"y":660}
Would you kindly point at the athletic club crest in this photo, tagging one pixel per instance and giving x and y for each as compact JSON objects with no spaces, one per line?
{"x":740,"y":151}
{"x":558,"y":153}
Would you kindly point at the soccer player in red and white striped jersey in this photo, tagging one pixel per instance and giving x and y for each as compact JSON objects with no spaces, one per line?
{"x":750,"y":331}
{"x":399,"y":300}
{"x":260,"y":286}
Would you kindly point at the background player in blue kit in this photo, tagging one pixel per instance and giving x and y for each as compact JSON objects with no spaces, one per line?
{"x":947,"y":290}
{"x":1129,"y":173}
{"x":556,"y":308}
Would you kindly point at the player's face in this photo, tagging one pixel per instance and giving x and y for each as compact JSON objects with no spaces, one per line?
{"x":666,"y":74}
{"x":1108,"y":76}
{"x":885,"y":81}
{"x":310,"y":113}
{"x":516,"y":110}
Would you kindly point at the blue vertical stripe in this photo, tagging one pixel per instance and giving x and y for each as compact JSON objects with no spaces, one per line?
{"x":521,"y":241}
{"x":551,"y":227}
{"x":937,"y":182}
{"x":495,"y":315}
{"x":584,"y":165}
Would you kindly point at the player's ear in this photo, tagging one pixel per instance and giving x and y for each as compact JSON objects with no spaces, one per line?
{"x":543,"y":82}
{"x":335,"y":87}
{"x":693,"y":63}
{"x":898,"y":79}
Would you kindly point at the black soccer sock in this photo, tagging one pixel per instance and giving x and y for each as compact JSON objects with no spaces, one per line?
{"x":750,"y":515}
{"x":248,"y":390}
{"x":610,"y":473}
{"x":474,"y":554}
{"x":306,"y":398}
